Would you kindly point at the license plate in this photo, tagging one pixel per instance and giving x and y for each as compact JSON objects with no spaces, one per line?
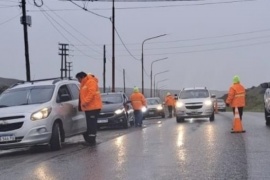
{"x":151,"y":112}
{"x":7,"y":138}
{"x":194,"y":112}
{"x":102,"y":120}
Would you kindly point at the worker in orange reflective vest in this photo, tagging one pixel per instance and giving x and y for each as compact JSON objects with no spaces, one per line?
{"x":170,"y":102}
{"x":138,"y":102}
{"x":236,"y":96}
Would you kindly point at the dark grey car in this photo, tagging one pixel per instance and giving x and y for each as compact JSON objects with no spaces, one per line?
{"x":116,"y":110}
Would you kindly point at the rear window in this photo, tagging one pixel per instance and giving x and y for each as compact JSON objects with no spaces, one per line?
{"x":220,"y":100}
{"x":194,"y":93}
{"x":112,"y":98}
{"x":26,"y":96}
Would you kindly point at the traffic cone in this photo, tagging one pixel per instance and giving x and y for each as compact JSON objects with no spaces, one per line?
{"x":237,"y":123}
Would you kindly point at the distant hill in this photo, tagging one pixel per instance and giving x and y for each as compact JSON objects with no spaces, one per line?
{"x":7,"y":81}
{"x":254,"y":99}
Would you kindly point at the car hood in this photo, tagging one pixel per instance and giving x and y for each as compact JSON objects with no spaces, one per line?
{"x":153,"y":106}
{"x":111,"y":107}
{"x":195,"y":100}
{"x":19,"y":109}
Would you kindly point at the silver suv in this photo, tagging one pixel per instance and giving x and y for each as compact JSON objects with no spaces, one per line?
{"x":266,"y":99}
{"x":194,"y":103}
{"x":40,"y":112}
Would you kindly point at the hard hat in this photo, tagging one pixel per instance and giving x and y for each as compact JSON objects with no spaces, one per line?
{"x":236,"y":79}
{"x":168,"y":93}
{"x":136,"y":89}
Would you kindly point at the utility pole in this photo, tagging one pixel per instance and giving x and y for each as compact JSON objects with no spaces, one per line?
{"x":124,"y":78}
{"x":63,"y":53}
{"x":113,"y":47}
{"x":104,"y":68}
{"x":69,"y":69}
{"x":26,"y":20}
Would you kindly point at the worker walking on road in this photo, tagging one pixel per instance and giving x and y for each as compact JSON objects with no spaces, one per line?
{"x":138,"y":102}
{"x":170,"y":102}
{"x":236,"y":96}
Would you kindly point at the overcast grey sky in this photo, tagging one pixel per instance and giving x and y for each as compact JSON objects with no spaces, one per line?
{"x":208,"y":42}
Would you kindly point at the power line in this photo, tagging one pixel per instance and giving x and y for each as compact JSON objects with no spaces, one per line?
{"x":206,"y":44}
{"x":125,"y":45}
{"x":88,"y":10}
{"x":150,"y":7}
{"x":78,"y":32}
{"x":213,"y":49}
{"x":8,"y":20}
{"x":202,"y":38}
{"x":47,"y":15}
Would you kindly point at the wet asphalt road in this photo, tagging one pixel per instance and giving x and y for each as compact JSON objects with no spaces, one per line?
{"x":196,"y":149}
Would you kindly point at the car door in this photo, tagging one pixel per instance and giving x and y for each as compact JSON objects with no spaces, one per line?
{"x":64,"y":101}
{"x":129,"y":109}
{"x":78,"y":118}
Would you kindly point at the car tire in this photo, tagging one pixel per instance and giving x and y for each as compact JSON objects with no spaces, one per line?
{"x":55,"y":142}
{"x":267,"y":119}
{"x":212,"y":117}
{"x":126,"y":123}
{"x":178,"y":120}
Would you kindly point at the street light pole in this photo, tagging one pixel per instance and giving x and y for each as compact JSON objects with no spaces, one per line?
{"x":155,"y":78}
{"x":113,"y":46}
{"x":25,"y":23}
{"x":143,"y":59}
{"x":151,"y":74}
{"x":155,"y":90}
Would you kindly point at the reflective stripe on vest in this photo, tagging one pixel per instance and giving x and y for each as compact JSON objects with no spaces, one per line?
{"x":240,"y":95}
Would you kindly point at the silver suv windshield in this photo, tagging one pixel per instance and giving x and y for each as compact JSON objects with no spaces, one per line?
{"x":112,"y":98}
{"x":152,"y":101}
{"x":194,"y":93}
{"x":26,"y":96}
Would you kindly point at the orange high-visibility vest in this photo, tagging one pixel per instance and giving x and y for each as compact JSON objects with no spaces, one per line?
{"x":236,"y":96}
{"x":169,"y":100}
{"x":137,"y":100}
{"x":89,"y":94}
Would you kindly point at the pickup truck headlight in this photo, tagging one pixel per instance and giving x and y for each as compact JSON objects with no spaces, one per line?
{"x":41,"y":114}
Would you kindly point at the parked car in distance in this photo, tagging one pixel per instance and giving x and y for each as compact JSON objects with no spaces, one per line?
{"x":194,"y":102}
{"x":266,"y":99}
{"x":116,"y":110}
{"x":155,"y":108}
{"x":221,"y":105}
{"x":40,"y":112}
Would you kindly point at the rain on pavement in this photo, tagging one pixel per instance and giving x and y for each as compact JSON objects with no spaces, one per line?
{"x":163,"y":149}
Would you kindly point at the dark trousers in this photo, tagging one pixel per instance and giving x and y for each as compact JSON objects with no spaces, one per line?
{"x":138,"y":117}
{"x":170,"y":108}
{"x":240,"y":110}
{"x":91,"y":121}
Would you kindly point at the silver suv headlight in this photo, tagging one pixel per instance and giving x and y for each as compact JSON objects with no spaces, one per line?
{"x":41,"y":114}
{"x":179,"y":104}
{"x":159,"y":107}
{"x":208,"y":103}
